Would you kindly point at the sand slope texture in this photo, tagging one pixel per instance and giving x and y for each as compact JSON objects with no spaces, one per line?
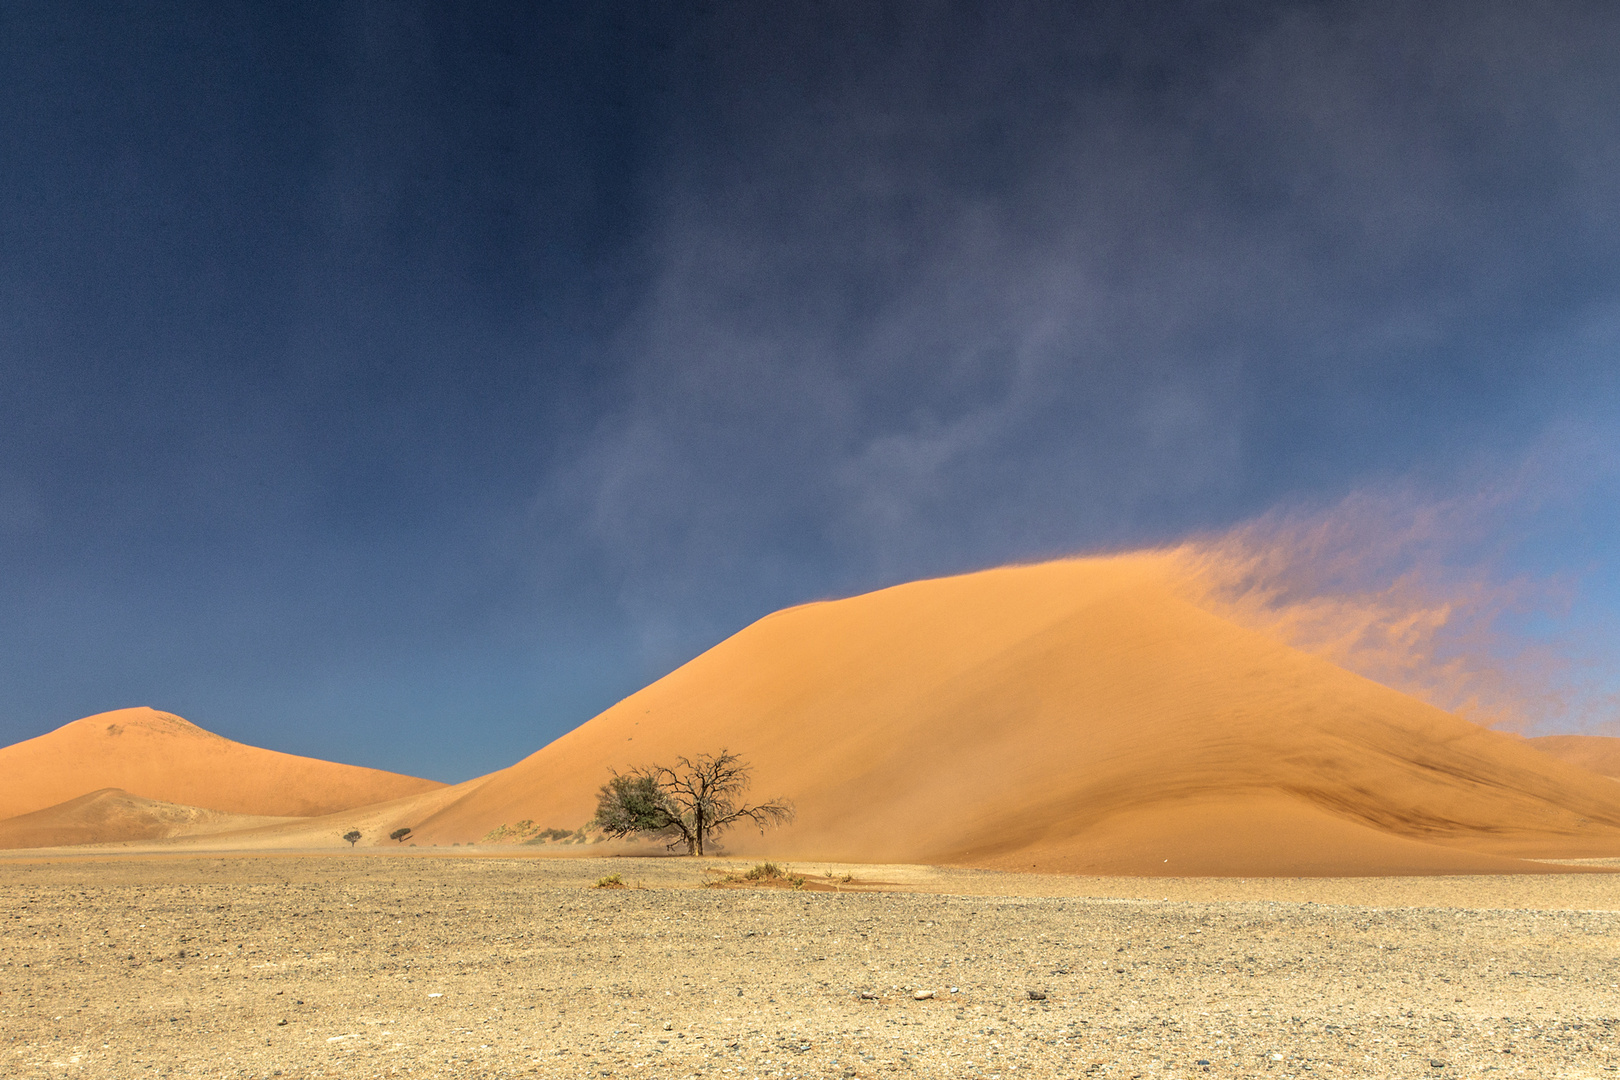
{"x":158,"y":756}
{"x":1076,"y":716}
{"x":1599,"y":753}
{"x":374,"y":822}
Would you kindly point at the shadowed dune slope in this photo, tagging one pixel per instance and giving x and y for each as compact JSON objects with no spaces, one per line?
{"x":161,"y":757}
{"x":112,"y":816}
{"x":1599,"y":753}
{"x":1073,"y":716}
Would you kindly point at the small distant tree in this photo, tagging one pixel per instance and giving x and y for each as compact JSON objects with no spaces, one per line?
{"x":399,"y":835}
{"x":352,"y":836}
{"x":688,"y":803}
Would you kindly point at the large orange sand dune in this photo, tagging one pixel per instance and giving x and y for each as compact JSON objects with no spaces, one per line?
{"x":1073,"y":716}
{"x":1076,"y":716}
{"x":159,"y":756}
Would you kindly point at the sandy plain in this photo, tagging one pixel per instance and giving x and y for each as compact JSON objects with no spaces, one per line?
{"x":431,"y":965}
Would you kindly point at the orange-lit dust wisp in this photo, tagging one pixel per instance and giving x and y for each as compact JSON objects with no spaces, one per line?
{"x":1401,"y":590}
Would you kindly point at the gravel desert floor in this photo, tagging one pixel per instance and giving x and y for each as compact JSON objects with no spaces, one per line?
{"x":452,"y":966}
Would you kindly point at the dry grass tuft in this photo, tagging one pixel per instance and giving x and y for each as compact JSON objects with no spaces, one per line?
{"x":765,"y":875}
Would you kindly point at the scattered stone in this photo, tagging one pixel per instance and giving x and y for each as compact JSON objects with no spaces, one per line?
{"x":1036,"y":995}
{"x":923,"y":995}
{"x":531,"y":954}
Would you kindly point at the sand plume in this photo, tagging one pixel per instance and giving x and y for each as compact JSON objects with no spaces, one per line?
{"x":1440,"y":593}
{"x":1084,"y":715}
{"x":1368,"y":585}
{"x":1075,"y":715}
{"x":1599,"y":753}
{"x":159,"y":756}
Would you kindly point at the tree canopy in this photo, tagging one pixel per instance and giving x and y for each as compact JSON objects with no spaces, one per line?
{"x":687,"y":803}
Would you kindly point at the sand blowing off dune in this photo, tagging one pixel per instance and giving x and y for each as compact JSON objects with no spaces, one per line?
{"x":1075,"y":716}
{"x":1599,"y":753}
{"x":1081,"y":716}
{"x":158,"y":756}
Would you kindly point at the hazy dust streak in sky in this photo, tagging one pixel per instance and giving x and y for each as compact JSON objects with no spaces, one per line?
{"x":1405,"y":591}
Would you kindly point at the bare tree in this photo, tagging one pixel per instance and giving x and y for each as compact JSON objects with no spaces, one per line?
{"x":688,"y":803}
{"x":352,"y":836}
{"x":399,"y":834}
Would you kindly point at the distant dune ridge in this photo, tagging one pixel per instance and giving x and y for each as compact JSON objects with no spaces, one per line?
{"x":1080,"y":716}
{"x":158,"y":756}
{"x":111,"y":816}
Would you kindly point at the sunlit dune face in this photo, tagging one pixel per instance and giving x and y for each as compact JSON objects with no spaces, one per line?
{"x":1144,"y":713}
{"x":159,"y":756}
{"x":1079,"y":715}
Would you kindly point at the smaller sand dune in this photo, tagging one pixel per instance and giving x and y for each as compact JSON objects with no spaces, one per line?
{"x":1599,"y":753}
{"x":113,"y":815}
{"x":164,"y":758}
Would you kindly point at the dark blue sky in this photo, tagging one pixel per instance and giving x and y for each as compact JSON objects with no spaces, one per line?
{"x":405,"y":383}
